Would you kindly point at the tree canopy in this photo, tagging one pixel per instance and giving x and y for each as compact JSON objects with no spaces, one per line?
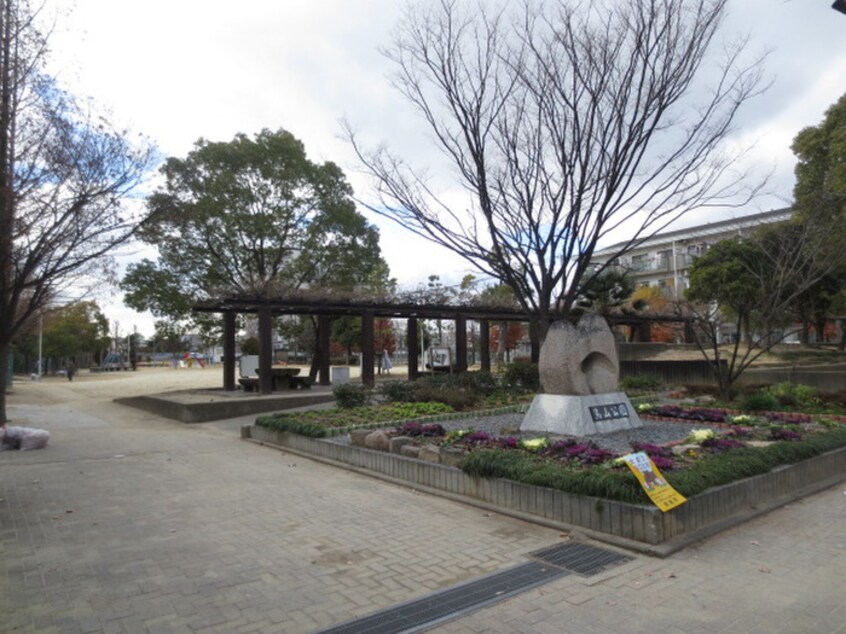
{"x":252,"y":215}
{"x":820,"y":195}
{"x":821,"y":165}
{"x":562,"y":122}
{"x":70,"y":331}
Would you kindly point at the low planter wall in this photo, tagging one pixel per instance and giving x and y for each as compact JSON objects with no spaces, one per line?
{"x":639,"y":526}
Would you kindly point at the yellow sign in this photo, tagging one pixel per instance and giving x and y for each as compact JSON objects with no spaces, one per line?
{"x":662,"y":494}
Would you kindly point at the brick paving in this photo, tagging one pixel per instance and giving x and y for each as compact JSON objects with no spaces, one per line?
{"x":132,"y":523}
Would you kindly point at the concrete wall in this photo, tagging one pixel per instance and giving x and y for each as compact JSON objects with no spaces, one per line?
{"x":700,"y":516}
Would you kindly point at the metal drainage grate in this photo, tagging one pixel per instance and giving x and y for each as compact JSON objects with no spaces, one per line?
{"x":580,"y":558}
{"x":452,"y":602}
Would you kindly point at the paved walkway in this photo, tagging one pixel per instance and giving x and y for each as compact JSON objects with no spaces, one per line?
{"x":132,"y":523}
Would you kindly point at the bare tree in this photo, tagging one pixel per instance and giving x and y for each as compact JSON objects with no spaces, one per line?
{"x":64,"y":175}
{"x":564,"y":122}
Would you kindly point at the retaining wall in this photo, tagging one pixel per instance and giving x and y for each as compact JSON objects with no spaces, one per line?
{"x":640,"y":526}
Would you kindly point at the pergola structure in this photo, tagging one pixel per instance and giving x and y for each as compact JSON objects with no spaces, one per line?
{"x":327,"y":309}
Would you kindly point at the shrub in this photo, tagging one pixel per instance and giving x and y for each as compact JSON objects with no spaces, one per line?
{"x":481,"y":383}
{"x":642,"y":382}
{"x":349,"y":395}
{"x":759,"y":402}
{"x":445,"y":388}
{"x":522,"y":375}
{"x":792,"y":394}
{"x":398,"y":391}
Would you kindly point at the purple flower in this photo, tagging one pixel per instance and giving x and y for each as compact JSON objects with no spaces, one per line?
{"x":718,"y":445}
{"x":663,"y":463}
{"x":779,"y":433}
{"x":433,"y":429}
{"x":507,"y":442}
{"x":784,"y":418}
{"x":595,"y":455}
{"x":477,"y":437}
{"x":703,"y":414}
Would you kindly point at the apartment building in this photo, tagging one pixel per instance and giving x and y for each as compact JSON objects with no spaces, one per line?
{"x":664,"y":259}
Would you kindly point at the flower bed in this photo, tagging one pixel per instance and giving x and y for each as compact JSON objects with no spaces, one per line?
{"x":722,"y":452}
{"x":527,"y":494}
{"x":728,"y":470}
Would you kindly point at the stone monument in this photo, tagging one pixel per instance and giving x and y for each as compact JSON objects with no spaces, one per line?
{"x":578,"y":369}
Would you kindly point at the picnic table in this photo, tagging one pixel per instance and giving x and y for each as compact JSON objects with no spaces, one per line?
{"x":283,"y":377}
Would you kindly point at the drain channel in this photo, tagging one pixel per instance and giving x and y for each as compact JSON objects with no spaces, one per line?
{"x":452,"y":602}
{"x":580,"y":558}
{"x":551,"y":563}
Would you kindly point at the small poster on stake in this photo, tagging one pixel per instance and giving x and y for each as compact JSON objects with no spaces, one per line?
{"x":662,"y":494}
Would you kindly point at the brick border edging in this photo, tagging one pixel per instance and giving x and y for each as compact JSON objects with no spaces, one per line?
{"x":641,"y":527}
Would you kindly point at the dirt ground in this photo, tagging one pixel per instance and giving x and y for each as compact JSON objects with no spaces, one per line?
{"x":100,"y":386}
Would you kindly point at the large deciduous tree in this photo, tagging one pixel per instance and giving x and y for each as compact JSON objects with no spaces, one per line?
{"x":563,"y":121}
{"x":252,"y":215}
{"x":65,"y":173}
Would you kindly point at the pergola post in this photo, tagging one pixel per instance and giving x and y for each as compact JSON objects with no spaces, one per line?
{"x":461,"y":343}
{"x":485,"y":344}
{"x":413,"y":346}
{"x":324,"y":328}
{"x":367,"y":355}
{"x":265,"y":336}
{"x":229,"y":352}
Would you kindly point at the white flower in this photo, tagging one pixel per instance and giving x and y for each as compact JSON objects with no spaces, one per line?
{"x":701,"y":435}
{"x":533,"y":444}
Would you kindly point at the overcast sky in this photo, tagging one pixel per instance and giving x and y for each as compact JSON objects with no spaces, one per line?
{"x":178,"y":70}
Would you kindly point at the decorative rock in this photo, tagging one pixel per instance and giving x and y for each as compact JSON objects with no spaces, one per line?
{"x":357,"y":436}
{"x":410,"y":451}
{"x":398,"y":442}
{"x":578,"y":371}
{"x":378,"y":440}
{"x":430,"y":453}
{"x":452,"y":456}
{"x":579,"y":360}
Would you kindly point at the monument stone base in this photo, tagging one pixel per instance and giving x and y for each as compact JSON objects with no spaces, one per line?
{"x":580,"y":415}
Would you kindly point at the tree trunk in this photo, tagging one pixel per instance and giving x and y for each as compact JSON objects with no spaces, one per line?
{"x":805,"y":333}
{"x":4,"y":366}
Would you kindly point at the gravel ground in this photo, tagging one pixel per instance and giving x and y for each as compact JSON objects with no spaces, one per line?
{"x":655,"y":432}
